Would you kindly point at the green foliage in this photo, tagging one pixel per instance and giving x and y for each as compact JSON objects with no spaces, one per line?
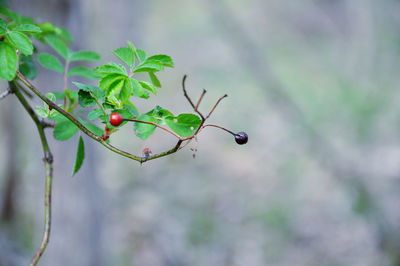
{"x":64,"y":130}
{"x":184,"y":124}
{"x":8,"y":61}
{"x":84,"y":56}
{"x":3,"y":27}
{"x":80,"y":155}
{"x":117,"y":86}
{"x":142,"y":130}
{"x":20,"y":41}
{"x":126,"y":55}
{"x":83,"y":72}
{"x":58,"y":45}
{"x":51,"y":62}
{"x":28,"y":28}
{"x":27,"y":66}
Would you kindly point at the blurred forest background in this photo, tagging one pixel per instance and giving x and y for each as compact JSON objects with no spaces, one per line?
{"x":313,"y":82}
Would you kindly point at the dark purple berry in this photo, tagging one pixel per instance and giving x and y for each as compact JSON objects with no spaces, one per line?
{"x":241,"y":138}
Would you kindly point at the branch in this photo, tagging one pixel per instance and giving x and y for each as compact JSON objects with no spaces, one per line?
{"x":75,"y":121}
{"x":92,"y":135}
{"x":48,"y":164}
{"x":165,"y":153}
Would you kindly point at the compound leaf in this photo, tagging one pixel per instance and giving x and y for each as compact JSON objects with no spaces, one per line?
{"x":126,"y":55}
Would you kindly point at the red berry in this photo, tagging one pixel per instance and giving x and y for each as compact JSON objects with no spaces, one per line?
{"x":116,"y":119}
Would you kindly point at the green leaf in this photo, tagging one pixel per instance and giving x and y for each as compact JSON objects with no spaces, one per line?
{"x":137,"y":89}
{"x":59,"y":95}
{"x":25,"y":20}
{"x":126,"y":55}
{"x":30,"y":28}
{"x":94,"y":114}
{"x":184,"y":124}
{"x":84,"y":56}
{"x":145,"y":95}
{"x":141,"y":55}
{"x":83,"y":72}
{"x":3,"y":27}
{"x":143,"y":130}
{"x":85,"y":99}
{"x":8,"y":61}
{"x":9,"y":14}
{"x":131,"y":110}
{"x":93,"y":128}
{"x":159,"y":114}
{"x":42,"y":112}
{"x":51,"y":96}
{"x":80,"y":155}
{"x":154,"y":79}
{"x":165,"y":60}
{"x":64,"y":130}
{"x":71,"y":95}
{"x":115,"y":87}
{"x":27,"y":67}
{"x":56,"y":116}
{"x":20,"y":41}
{"x":53,"y":114}
{"x":149,"y":66}
{"x":96,"y":92}
{"x":126,"y":90}
{"x":107,"y":80}
{"x":58,"y":45}
{"x":51,"y":62}
{"x":64,"y":34}
{"x":111,"y":68}
{"x":111,"y":103}
{"x":47,"y":27}
{"x":148,"y":86}
{"x":132,"y":47}
{"x":81,"y":86}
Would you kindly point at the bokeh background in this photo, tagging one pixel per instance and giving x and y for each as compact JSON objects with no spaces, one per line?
{"x":313,"y":82}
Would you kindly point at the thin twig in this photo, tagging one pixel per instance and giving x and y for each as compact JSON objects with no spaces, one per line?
{"x":211,"y":125}
{"x":201,"y":97}
{"x":212,"y":110}
{"x":48,"y":163}
{"x":190,"y":100}
{"x":185,"y":92}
